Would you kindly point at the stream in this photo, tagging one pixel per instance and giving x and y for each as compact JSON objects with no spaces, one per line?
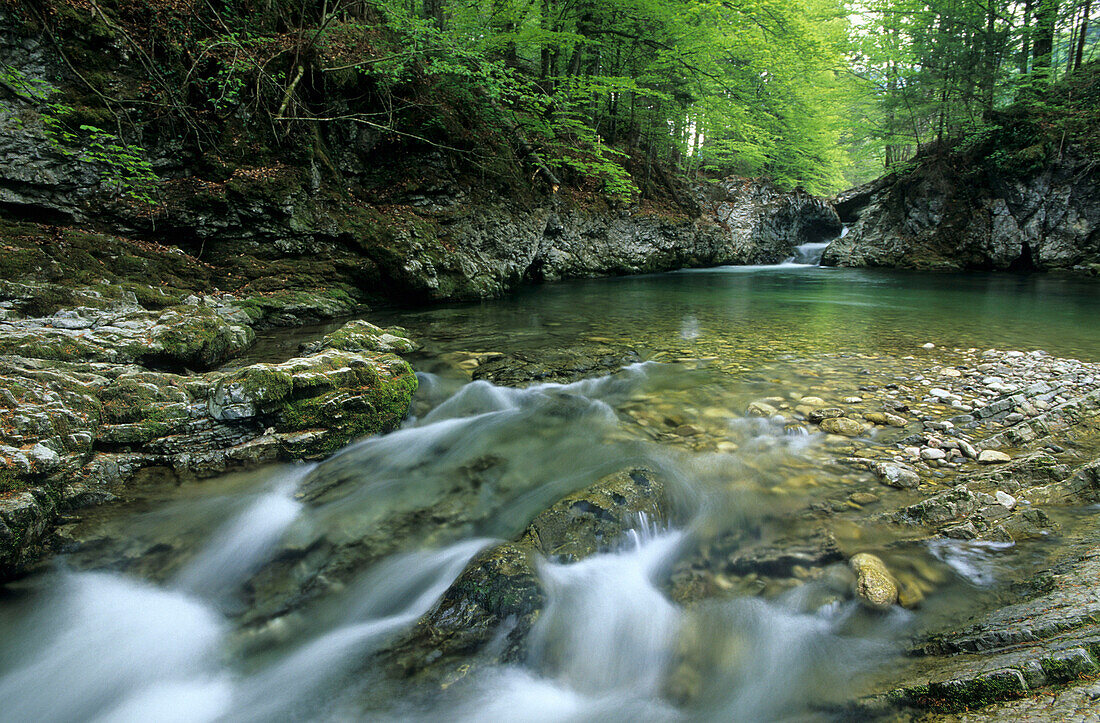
{"x":273,"y":594}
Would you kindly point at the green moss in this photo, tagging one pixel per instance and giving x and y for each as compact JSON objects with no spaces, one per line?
{"x":146,"y":399}
{"x":49,"y":348}
{"x":48,"y":300}
{"x":197,"y":337}
{"x":264,"y":384}
{"x":11,"y":482}
{"x":374,"y":405}
{"x":958,"y":695}
{"x":156,"y":297}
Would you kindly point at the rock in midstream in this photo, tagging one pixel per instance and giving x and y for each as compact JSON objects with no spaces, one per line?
{"x":842,"y":426}
{"x":488,"y":611}
{"x":875,"y":586}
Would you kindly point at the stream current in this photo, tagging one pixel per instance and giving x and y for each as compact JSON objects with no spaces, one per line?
{"x":268,"y":595}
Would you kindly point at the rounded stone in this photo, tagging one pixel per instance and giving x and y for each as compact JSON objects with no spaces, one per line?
{"x":823,"y":413}
{"x":875,"y":586}
{"x":842,"y":426}
{"x":992,"y":456}
{"x":761,"y":409}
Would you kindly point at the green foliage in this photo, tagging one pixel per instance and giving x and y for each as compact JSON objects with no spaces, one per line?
{"x":121,"y":165}
{"x":934,"y":73}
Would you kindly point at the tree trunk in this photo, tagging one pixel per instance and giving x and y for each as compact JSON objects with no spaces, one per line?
{"x":1025,"y":43}
{"x":1046,"y":20}
{"x":1080,"y":56}
{"x":989,"y":79}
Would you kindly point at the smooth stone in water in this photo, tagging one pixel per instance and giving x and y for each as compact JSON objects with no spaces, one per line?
{"x":931,"y":453}
{"x":823,"y":413}
{"x":842,"y":426}
{"x":897,"y":475}
{"x":875,"y":586}
{"x":761,"y":409}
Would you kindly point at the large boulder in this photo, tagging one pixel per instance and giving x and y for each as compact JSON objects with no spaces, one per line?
{"x":100,"y":423}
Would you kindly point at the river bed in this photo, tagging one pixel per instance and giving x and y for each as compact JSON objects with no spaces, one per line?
{"x":268,"y":595}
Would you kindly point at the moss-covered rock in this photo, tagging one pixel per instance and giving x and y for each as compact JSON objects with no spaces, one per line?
{"x":98,"y":423}
{"x":499,"y":596}
{"x":195,"y":337}
{"x":348,"y":395}
{"x":584,"y":522}
{"x":360,"y":335}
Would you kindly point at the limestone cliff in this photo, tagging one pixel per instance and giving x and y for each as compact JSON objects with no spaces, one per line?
{"x":938,"y":217}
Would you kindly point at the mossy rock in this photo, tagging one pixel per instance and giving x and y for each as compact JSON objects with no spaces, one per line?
{"x":584,"y":522}
{"x":143,"y":396}
{"x":487,"y":613}
{"x":960,"y":695}
{"x":373,"y":398}
{"x":196,"y":337}
{"x":362,"y":336}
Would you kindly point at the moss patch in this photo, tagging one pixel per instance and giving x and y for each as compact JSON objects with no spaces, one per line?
{"x":368,"y":403}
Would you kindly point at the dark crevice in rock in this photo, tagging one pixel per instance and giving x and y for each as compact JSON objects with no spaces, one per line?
{"x":1025,"y":261}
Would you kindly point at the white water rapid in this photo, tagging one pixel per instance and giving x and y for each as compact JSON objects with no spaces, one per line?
{"x":261,"y":620}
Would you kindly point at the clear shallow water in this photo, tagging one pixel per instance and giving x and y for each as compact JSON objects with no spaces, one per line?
{"x":786,"y":308}
{"x":264,"y":596}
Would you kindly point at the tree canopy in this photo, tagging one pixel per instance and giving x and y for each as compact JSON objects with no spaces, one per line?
{"x":610,"y":94}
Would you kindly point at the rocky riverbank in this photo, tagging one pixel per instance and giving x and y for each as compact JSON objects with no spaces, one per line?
{"x":97,"y":393}
{"x":937,"y":218}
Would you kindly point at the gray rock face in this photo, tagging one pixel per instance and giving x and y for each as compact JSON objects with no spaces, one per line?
{"x":935,"y":218}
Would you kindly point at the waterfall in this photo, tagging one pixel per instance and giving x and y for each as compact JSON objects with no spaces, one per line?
{"x":809,"y":254}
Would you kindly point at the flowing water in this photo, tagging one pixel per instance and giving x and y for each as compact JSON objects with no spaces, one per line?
{"x":273,"y":595}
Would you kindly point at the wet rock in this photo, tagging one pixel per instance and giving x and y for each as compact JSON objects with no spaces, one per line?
{"x":484,"y":617}
{"x":587,"y":521}
{"x":109,"y":421}
{"x":819,"y":415}
{"x":562,"y":365}
{"x":842,"y":426}
{"x":943,"y":507}
{"x":967,"y":449}
{"x":778,"y":557}
{"x":992,"y":456}
{"x":863,"y":498}
{"x":897,"y":475}
{"x":362,"y":336}
{"x":885,"y":418}
{"x":761,"y":409}
{"x":875,"y":586}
